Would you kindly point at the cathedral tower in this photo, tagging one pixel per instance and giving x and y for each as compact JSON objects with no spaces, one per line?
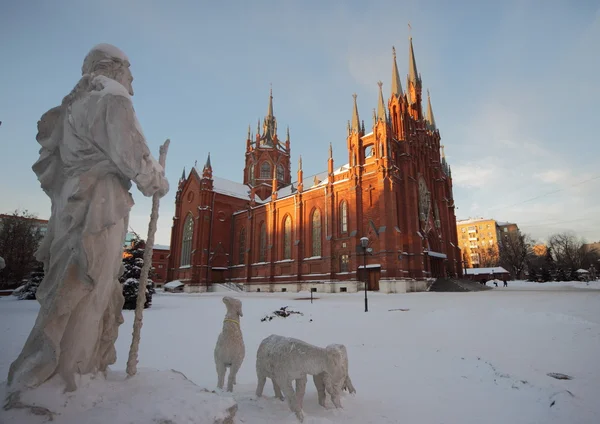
{"x":267,"y":157}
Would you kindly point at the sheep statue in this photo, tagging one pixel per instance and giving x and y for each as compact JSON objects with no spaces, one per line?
{"x":319,"y":379}
{"x":230,"y":349}
{"x":283,"y":359}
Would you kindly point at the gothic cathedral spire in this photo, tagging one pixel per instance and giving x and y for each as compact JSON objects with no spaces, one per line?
{"x":430,"y":118}
{"x":396,"y":84}
{"x":413,"y":75}
{"x":355,"y":121}
{"x":381,"y":115}
{"x":414,"y":88}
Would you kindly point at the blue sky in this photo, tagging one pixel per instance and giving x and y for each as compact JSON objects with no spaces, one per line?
{"x":514,"y":88}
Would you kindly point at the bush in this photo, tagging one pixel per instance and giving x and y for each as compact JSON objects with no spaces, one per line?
{"x":133,"y":261}
{"x":29,"y":290}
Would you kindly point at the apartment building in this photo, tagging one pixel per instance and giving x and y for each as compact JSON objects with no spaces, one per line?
{"x":478,"y":238}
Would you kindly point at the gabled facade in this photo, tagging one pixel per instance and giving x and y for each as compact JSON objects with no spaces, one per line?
{"x":396,"y":189}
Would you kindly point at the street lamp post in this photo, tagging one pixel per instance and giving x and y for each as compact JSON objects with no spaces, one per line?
{"x":364,"y":242}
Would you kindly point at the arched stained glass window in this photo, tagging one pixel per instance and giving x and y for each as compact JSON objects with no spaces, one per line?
{"x":265,"y":171}
{"x":344,"y":216}
{"x":242,"y":247}
{"x":316,"y":233}
{"x":262,"y":250}
{"x":280,"y":173}
{"x":287,"y":238}
{"x":186,"y":243}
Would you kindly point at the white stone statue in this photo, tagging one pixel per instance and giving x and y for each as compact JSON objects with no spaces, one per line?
{"x":92,"y":148}
{"x":285,"y":359}
{"x":230,"y":349}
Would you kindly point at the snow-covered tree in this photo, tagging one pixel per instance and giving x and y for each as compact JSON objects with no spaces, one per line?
{"x":30,"y":288}
{"x":133,"y":261}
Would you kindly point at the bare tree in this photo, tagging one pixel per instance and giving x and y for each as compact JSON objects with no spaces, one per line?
{"x":19,"y":239}
{"x":569,"y":252}
{"x":515,"y":248}
{"x":488,"y":257}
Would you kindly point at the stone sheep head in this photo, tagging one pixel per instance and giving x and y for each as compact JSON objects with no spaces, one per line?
{"x":234,"y":306}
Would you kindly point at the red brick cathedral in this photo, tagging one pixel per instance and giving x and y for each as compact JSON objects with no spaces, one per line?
{"x":272,"y":233}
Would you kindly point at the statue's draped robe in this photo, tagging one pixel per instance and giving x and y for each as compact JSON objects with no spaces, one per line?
{"x":102,"y":149}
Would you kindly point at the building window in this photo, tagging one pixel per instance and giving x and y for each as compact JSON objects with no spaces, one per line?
{"x":344,"y":263}
{"x":316,"y":233}
{"x":287,"y":238}
{"x":251,"y":173}
{"x":344,"y":216}
{"x":265,"y":171}
{"x":262,"y":250}
{"x":464,"y":230}
{"x":242,"y":247}
{"x":280,"y":173}
{"x":160,"y":266}
{"x":186,"y":244}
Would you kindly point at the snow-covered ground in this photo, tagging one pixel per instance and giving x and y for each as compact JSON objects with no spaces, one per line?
{"x":451,"y":358}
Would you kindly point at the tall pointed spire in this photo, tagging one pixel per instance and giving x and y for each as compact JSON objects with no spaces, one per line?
{"x":381,"y":105}
{"x":355,"y":120}
{"x":300,"y":175}
{"x":396,"y":84}
{"x":183,"y":174}
{"x":413,"y":74}
{"x":249,"y":130}
{"x":430,"y":118}
{"x":287,"y":133}
{"x":207,"y":171}
{"x":270,"y":110}
{"x":330,"y":164}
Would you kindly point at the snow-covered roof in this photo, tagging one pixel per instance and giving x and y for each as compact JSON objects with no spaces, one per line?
{"x":231,"y":188}
{"x":242,"y":191}
{"x":161,"y":247}
{"x":173,"y":284}
{"x":472,"y":220}
{"x":504,"y":223}
{"x":479,"y":271}
{"x":309,"y":182}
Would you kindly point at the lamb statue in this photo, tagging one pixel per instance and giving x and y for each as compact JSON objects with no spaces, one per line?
{"x":319,"y":379}
{"x":230,"y":349}
{"x":283,"y":359}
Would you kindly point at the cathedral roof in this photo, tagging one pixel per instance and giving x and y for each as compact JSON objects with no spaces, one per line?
{"x":309,"y":183}
{"x":231,"y":188}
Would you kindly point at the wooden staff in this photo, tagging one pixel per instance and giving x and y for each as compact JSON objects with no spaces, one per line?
{"x":141,"y":297}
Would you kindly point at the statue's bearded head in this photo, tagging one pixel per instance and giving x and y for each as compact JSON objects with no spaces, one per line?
{"x":108,"y":60}
{"x":47,"y":123}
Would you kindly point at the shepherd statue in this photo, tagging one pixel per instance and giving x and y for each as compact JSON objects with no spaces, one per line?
{"x":92,"y":149}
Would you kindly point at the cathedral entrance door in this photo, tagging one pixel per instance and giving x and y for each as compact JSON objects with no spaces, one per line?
{"x":374,"y":274}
